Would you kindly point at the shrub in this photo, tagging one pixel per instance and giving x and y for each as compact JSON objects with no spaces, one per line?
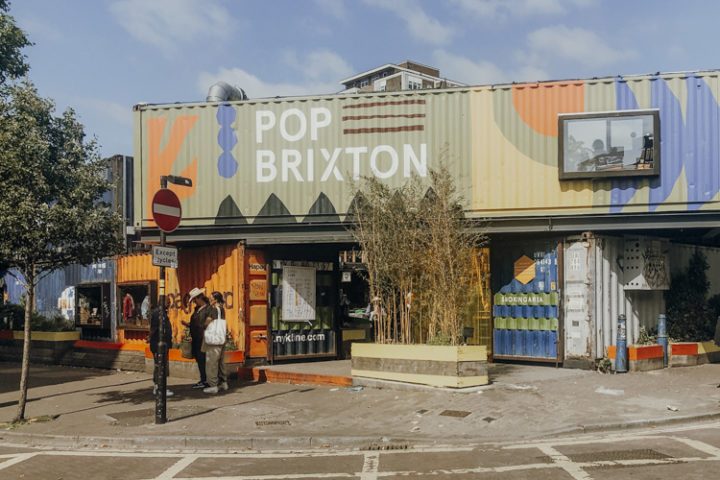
{"x":690,"y":316}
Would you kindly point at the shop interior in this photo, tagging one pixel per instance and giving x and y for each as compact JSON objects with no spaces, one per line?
{"x":92,"y":306}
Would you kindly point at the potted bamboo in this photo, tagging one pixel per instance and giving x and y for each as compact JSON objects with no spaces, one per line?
{"x":420,"y":262}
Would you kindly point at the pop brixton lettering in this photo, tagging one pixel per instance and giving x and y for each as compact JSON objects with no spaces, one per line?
{"x":385,"y":161}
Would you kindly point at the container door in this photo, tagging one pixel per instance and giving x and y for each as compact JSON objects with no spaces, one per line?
{"x":257,"y":305}
{"x":578,"y":299}
{"x":526,"y":320}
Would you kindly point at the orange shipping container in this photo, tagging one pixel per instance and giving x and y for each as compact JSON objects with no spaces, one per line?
{"x":216,"y":268}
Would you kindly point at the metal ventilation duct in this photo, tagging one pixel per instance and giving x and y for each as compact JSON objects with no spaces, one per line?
{"x":224,"y":92}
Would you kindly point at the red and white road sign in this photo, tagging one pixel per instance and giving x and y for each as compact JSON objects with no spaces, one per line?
{"x":166,"y":210}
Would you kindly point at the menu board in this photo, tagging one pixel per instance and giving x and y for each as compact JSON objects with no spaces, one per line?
{"x":298,"y":294}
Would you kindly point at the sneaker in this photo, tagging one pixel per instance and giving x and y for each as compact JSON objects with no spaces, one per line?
{"x":199,"y":385}
{"x":210,"y":390}
{"x":168,"y":393}
{"x":224,"y":386}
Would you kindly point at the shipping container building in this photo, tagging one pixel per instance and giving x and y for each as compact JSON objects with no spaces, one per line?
{"x":590,"y":191}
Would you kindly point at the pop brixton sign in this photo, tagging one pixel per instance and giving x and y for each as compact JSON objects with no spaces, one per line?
{"x":295,"y":125}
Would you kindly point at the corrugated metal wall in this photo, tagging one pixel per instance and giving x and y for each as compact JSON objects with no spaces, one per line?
{"x":215,"y":268}
{"x":499,"y":142}
{"x":47,"y":291}
{"x":640,"y":307}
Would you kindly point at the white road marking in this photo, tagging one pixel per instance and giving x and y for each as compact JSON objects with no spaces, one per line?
{"x":178,"y":467}
{"x":565,"y":463}
{"x":18,"y":458}
{"x":698,"y":445}
{"x":370,"y":466}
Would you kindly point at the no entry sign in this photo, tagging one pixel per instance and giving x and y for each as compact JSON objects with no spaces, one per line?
{"x":166,"y":210}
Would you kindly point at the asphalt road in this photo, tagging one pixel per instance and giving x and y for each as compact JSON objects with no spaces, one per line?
{"x":688,"y":452}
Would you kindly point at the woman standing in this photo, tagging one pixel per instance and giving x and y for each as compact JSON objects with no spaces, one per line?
{"x":215,"y":354}
{"x":197,"y":326}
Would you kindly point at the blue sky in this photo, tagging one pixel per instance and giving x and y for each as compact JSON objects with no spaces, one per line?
{"x":103,"y":56}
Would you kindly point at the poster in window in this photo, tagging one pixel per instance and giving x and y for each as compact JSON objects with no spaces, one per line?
{"x":298,"y":294}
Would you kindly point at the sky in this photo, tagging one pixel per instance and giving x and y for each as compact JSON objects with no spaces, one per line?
{"x":101,"y":57}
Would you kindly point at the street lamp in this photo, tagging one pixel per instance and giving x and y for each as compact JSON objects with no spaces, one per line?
{"x":162,"y":357}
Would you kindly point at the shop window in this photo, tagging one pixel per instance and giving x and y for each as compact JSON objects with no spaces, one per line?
{"x":302,"y":307}
{"x":92,"y":308}
{"x":616,"y":144}
{"x":135,"y":302}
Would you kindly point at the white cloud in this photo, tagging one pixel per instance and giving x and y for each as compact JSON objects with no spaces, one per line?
{"x":320,"y":65}
{"x":38,"y":28}
{"x":420,"y":25}
{"x":258,"y":88}
{"x":482,"y":72}
{"x":572,"y":44}
{"x":511,"y":8}
{"x":318,"y":72}
{"x":169,"y":24}
{"x":334,"y":8}
{"x":462,"y":69}
{"x":114,"y":111}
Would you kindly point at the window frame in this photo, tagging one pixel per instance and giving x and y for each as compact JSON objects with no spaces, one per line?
{"x":653,"y":172}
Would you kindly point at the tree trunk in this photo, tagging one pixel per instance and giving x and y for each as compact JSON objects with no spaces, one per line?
{"x":25,"y":369}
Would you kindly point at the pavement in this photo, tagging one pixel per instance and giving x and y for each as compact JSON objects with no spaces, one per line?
{"x":78,"y":408}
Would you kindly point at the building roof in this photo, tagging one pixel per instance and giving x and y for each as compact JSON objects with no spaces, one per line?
{"x":396,"y":67}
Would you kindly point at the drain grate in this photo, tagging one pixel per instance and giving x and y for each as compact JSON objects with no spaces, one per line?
{"x":455,"y":413}
{"x":387,"y":446}
{"x":265,"y":423}
{"x":639,"y":454}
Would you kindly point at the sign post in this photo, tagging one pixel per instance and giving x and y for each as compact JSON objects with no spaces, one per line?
{"x":167,"y":213}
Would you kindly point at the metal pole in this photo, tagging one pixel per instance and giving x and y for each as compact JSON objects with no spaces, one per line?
{"x":621,"y":348}
{"x":662,"y":338}
{"x":161,"y":360}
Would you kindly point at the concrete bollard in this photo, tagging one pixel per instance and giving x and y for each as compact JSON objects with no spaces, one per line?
{"x":662,"y":337}
{"x":621,"y":364}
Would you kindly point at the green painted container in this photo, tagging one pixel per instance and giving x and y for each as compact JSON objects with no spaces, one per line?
{"x":500,"y":323}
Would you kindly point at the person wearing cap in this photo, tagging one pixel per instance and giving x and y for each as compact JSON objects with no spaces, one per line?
{"x":197,"y":325}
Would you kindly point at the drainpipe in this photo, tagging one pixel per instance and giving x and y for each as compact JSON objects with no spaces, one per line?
{"x":662,"y":337}
{"x":621,"y":348}
{"x":224,"y":92}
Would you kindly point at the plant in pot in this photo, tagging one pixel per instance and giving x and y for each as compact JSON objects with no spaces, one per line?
{"x":421,"y":255}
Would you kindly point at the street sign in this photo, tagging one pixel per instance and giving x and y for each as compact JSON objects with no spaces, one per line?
{"x":166,"y":210}
{"x":164,"y":256}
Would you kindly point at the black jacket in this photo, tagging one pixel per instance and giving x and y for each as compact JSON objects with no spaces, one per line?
{"x":155,"y":330}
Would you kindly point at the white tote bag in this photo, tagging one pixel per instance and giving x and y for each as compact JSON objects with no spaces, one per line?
{"x":216,"y":332}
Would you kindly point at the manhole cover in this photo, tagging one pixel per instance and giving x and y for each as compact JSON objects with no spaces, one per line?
{"x":455,"y":413}
{"x":264,"y":423}
{"x":639,"y":454}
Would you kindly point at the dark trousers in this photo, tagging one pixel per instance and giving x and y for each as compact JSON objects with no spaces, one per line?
{"x":156,"y":377}
{"x":200,"y":360}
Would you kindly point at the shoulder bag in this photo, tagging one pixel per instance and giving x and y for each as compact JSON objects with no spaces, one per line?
{"x":216,"y":332}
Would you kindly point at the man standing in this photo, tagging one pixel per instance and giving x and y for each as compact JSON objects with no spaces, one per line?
{"x":197,"y":325}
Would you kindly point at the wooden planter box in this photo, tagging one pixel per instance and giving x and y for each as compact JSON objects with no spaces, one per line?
{"x":684,"y":354}
{"x":434,"y":365}
{"x":46,"y":347}
{"x":48,"y":336}
{"x":708,"y":352}
{"x":641,"y":358}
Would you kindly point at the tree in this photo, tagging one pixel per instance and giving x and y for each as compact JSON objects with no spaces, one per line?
{"x":12,"y":41}
{"x":51,"y":213}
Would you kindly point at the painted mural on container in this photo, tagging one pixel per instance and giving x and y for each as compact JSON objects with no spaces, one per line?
{"x":297,"y":159}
